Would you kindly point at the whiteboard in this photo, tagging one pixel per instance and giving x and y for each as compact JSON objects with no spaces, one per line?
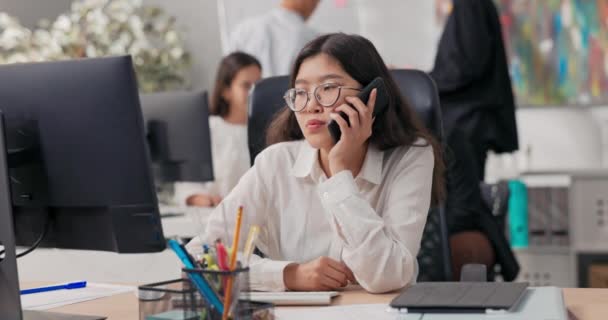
{"x":403,"y":31}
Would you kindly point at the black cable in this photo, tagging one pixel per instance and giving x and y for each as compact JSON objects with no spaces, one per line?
{"x":35,"y":245}
{"x":47,"y":226}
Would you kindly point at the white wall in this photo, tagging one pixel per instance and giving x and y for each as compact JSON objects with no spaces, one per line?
{"x":30,"y":12}
{"x":199,"y":22}
{"x":403,"y":31}
{"x":555,"y":139}
{"x":600,"y":116}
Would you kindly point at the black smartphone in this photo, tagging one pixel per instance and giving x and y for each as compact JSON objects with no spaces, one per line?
{"x":381,"y":105}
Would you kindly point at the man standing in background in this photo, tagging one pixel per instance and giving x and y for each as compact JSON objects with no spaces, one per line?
{"x":275,"y":38}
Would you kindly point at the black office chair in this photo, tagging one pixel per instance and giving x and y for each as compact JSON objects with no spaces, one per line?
{"x":420,"y":91}
{"x":434,"y":255}
{"x":266,"y":100}
{"x":496,"y":197}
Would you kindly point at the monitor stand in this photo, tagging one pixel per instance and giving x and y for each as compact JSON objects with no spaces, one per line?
{"x":10,"y":297}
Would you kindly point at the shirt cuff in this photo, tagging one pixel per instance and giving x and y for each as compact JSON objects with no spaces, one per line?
{"x":268,"y":275}
{"x":195,"y":246}
{"x":338,"y":188}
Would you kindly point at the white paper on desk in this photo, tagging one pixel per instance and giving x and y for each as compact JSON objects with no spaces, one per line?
{"x":59,"y":298}
{"x":347,"y":312}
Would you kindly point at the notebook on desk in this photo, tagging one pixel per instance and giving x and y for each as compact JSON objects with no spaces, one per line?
{"x":459,"y":297}
{"x":292,"y":298}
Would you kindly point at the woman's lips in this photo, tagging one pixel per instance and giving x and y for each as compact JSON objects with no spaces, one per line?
{"x":315,"y":124}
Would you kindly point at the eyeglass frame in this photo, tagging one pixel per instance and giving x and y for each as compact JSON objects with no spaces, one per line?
{"x":286,"y":95}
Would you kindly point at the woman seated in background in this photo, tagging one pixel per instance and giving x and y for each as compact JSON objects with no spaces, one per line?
{"x":333,"y":213}
{"x":237,"y":73}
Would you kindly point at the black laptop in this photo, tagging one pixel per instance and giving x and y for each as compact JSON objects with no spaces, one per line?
{"x":459,"y":297}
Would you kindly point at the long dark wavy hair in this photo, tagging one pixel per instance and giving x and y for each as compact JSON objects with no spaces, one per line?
{"x":397,"y":126}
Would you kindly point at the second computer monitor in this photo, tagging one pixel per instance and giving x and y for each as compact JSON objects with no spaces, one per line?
{"x":76,"y":173}
{"x":76,"y":156}
{"x":177,"y":126}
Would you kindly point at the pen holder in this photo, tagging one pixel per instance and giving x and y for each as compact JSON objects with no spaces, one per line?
{"x":164,"y":300}
{"x":239,"y":309}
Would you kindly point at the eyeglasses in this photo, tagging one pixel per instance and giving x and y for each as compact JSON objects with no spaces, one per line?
{"x":326,"y":95}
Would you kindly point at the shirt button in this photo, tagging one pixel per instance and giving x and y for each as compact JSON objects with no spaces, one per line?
{"x":326,"y":195}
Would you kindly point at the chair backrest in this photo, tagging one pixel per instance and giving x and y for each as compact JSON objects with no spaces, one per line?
{"x":420,"y":91}
{"x":266,"y":99}
{"x":434,"y":259}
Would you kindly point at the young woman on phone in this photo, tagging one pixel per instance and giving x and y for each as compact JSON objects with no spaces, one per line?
{"x":337,"y":212}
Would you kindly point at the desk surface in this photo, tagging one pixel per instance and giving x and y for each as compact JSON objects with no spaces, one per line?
{"x":583,"y":304}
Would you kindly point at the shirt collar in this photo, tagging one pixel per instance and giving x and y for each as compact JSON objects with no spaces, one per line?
{"x":307,"y":158}
{"x":305,"y":161}
{"x":372,"y":165}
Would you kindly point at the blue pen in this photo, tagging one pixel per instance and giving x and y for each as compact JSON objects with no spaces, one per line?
{"x":69,"y":286}
{"x":198,"y":280}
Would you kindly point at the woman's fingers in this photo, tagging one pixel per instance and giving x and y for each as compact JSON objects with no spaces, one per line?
{"x":364,"y":111}
{"x":351,"y":112}
{"x":341,"y":271}
{"x":371,"y":103}
{"x":341,"y":122}
{"x":336,"y":275}
{"x":337,"y":265}
{"x":331,"y":282}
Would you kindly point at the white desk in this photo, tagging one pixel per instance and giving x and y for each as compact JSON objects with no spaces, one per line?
{"x":582,"y":304}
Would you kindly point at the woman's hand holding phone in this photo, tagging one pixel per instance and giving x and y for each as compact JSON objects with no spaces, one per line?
{"x":354,"y":137}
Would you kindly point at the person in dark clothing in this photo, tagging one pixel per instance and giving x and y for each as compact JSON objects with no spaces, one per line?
{"x":464,"y":202}
{"x":464,"y":207}
{"x":472,"y":77}
{"x":475,"y":235}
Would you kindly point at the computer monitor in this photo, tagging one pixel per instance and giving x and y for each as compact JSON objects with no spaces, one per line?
{"x":177,"y":130}
{"x":76,"y":161}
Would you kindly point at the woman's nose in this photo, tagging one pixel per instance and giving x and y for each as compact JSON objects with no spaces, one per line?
{"x":313,"y":106}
